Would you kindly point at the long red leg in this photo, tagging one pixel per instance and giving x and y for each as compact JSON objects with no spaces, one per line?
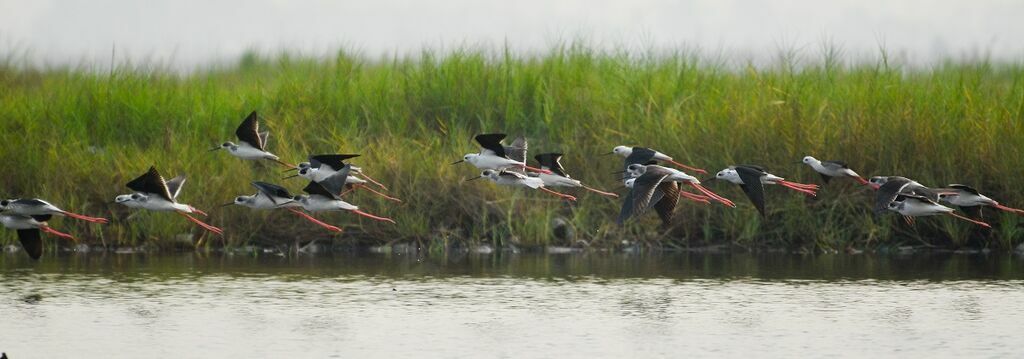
{"x":371,"y":190}
{"x":57,"y":233}
{"x":861,"y":180}
{"x":205,"y":226}
{"x":347,"y":191}
{"x":368,"y":178}
{"x":909,"y":220}
{"x":370,"y":216}
{"x":798,"y":189}
{"x":199,"y":211}
{"x":538,"y":170}
{"x":713,"y":195}
{"x":85,"y":218}
{"x":695,"y":197}
{"x":1008,"y":209}
{"x":688,"y":168}
{"x":314,"y":220}
{"x":980,"y":223}
{"x":801,"y":185}
{"x":562,"y":195}
{"x":600,"y":192}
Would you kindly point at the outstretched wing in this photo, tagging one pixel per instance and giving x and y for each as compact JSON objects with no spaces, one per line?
{"x":552,"y":162}
{"x":335,"y":184}
{"x":316,"y":189}
{"x":272,"y":191}
{"x":751,"y":177}
{"x":965,"y":188}
{"x":151,"y":182}
{"x":249,"y":131}
{"x":31,"y":241}
{"x":335,"y":161}
{"x":888,"y":192}
{"x":834,"y":164}
{"x":666,"y":205}
{"x":517,"y":150}
{"x":639,"y":198}
{"x":174,"y":186}
{"x":492,"y":142}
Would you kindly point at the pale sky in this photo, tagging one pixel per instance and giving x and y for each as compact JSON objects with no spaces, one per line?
{"x":187,"y":33}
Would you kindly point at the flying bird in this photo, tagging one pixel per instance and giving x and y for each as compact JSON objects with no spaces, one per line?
{"x":970,"y":199}
{"x":252,"y":144}
{"x":154,"y":193}
{"x":752,"y":179}
{"x":326,"y":196}
{"x":271,"y":196}
{"x":910,"y":206}
{"x":495,"y":156}
{"x":830,"y":169}
{"x":321,"y":167}
{"x":515,"y":179}
{"x":558,"y":176}
{"x":38,"y":207}
{"x":643,"y":155}
{"x":29,"y":228}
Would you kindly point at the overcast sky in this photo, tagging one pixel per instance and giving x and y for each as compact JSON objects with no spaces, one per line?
{"x":187,"y":33}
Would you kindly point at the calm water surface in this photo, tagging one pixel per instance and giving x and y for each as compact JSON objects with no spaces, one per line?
{"x":554,"y":306}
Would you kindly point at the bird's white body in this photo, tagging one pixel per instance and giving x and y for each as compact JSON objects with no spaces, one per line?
{"x":967,"y":199}
{"x":914,"y":208}
{"x":13,"y":221}
{"x":324,"y":204}
{"x":247,"y":152}
{"x":152,"y":202}
{"x":263,"y":202}
{"x":515,"y":181}
{"x":829,"y":171}
{"x":731,"y":175}
{"x":320,"y":174}
{"x":637,"y":170}
{"x":489,"y":161}
{"x":625,"y":151}
{"x":553,"y":180}
{"x":39,"y":209}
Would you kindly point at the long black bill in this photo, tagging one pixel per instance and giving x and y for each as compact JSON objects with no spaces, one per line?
{"x":458,"y":162}
{"x":609,"y":153}
{"x":292,"y":176}
{"x":214,"y":149}
{"x":225,"y":205}
{"x":473,"y":179}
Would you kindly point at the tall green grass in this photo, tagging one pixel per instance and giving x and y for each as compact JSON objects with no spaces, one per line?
{"x":76,"y":135}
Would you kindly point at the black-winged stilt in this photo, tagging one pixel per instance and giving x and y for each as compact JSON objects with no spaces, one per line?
{"x":558,"y":177}
{"x":910,"y":205}
{"x":271,"y":196}
{"x":252,"y":144}
{"x":321,"y":167}
{"x":965,"y":197}
{"x":516,"y":179}
{"x":752,"y":179}
{"x":889,"y":187}
{"x":647,"y":191}
{"x":38,"y":207}
{"x":673,"y":175}
{"x":29,"y":228}
{"x":326,"y":196}
{"x":495,"y":156}
{"x":643,"y":155}
{"x":153,"y":193}
{"x":829,"y":169}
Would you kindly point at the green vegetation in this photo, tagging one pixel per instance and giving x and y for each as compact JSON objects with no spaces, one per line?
{"x":75,"y":136}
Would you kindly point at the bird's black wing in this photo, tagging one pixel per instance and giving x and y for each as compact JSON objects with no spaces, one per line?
{"x":965,"y":188}
{"x":762,"y":169}
{"x":316,"y":189}
{"x":552,"y":162}
{"x":31,"y":241}
{"x":639,"y":198}
{"x":831,"y":163}
{"x":666,"y":205}
{"x":492,"y":142}
{"x":640,"y":155}
{"x":174,"y":186}
{"x":272,"y":191}
{"x":29,"y":202}
{"x":751,"y":177}
{"x":335,"y":184}
{"x":335,"y":161}
{"x":249,"y":131}
{"x":151,"y":182}
{"x":517,"y":150}
{"x":888,"y":192}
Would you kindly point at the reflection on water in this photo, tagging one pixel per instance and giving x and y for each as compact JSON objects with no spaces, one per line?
{"x":509,"y":306}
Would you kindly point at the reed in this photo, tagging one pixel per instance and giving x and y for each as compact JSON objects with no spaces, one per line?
{"x":75,"y":135}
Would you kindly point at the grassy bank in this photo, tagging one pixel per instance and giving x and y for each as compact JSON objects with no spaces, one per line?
{"x":76,"y":136}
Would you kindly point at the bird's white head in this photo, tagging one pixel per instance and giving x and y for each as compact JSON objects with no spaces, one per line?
{"x":877,"y":181}
{"x":4,"y":204}
{"x":629,"y":182}
{"x":243,"y":200}
{"x":895,"y":206}
{"x":488,"y":173}
{"x":809,"y":159}
{"x":470,"y":157}
{"x":623,"y":151}
{"x":133,"y":200}
{"x":730,"y":175}
{"x":307,"y":172}
{"x":636,"y":170}
{"x":303,"y":165}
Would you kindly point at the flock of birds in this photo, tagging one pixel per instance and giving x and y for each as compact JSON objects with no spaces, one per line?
{"x":651,"y":183}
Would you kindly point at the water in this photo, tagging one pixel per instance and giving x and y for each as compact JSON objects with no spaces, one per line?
{"x":504,"y":306}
